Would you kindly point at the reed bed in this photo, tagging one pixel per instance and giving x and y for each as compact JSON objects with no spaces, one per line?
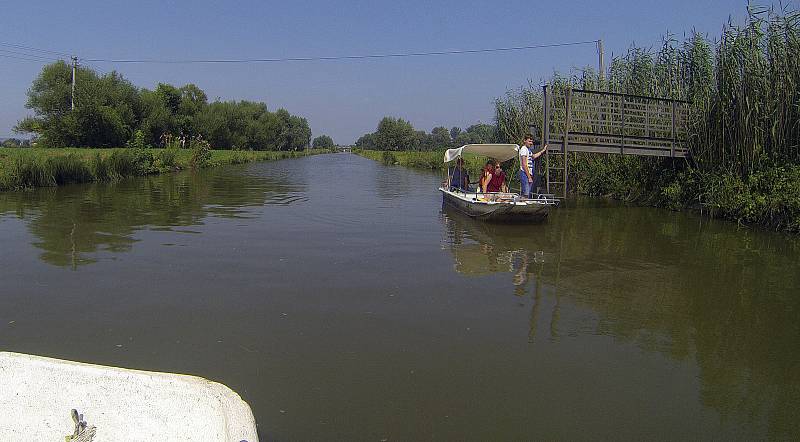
{"x":743,"y":124}
{"x":25,"y":168}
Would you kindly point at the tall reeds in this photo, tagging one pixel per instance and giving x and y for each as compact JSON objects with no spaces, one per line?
{"x":744,"y":91}
{"x":743,"y":125}
{"x":29,"y":168}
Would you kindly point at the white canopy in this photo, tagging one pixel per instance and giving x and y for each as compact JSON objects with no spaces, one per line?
{"x":500,"y":152}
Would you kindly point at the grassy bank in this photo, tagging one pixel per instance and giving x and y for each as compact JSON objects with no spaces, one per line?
{"x":22,"y":168}
{"x":769,"y":197}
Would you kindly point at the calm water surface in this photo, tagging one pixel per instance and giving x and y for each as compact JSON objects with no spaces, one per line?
{"x":343,"y":302}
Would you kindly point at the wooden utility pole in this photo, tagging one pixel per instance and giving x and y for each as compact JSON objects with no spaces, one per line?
{"x":74,"y":67}
{"x":601,"y":63}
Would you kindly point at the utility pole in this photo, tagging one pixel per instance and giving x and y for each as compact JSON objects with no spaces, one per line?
{"x":74,"y":67}
{"x":601,"y":63}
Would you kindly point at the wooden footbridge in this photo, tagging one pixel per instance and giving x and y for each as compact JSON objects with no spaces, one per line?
{"x":577,"y":120}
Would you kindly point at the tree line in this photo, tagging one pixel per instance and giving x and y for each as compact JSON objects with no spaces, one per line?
{"x":110,"y":112}
{"x":398,"y":134}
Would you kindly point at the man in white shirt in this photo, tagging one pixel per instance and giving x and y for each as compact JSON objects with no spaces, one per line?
{"x":527,"y":166}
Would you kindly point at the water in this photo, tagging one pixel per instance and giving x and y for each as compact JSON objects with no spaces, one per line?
{"x":343,"y":302}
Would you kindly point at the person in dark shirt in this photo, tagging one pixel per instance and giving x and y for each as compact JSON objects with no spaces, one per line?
{"x":459,"y":177}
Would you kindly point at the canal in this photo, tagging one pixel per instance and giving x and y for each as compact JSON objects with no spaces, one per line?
{"x":343,"y":302}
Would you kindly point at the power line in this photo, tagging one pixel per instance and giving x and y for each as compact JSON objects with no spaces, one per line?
{"x":38,"y":60}
{"x":343,"y":57}
{"x":29,"y":48}
{"x":24,"y":55}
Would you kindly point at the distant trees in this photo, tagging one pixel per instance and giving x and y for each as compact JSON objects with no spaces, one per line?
{"x":15,"y":142}
{"x":398,"y":134}
{"x":322,"y":142}
{"x":109,"y":110}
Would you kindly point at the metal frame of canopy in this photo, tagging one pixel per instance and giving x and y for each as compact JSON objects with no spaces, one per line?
{"x":499,"y":152}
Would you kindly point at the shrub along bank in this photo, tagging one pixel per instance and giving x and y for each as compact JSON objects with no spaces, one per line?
{"x":27,"y":168}
{"x":769,"y":197}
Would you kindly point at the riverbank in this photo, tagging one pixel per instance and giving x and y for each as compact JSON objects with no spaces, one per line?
{"x":769,"y":198}
{"x":24,"y":168}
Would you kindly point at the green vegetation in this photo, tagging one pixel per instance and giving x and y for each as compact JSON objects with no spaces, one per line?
{"x":397,"y":134}
{"x":109,"y":111}
{"x":744,"y":124}
{"x":323,"y":142}
{"x":24,"y":168}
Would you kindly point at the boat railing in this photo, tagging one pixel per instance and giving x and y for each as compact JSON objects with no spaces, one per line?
{"x":541,"y":198}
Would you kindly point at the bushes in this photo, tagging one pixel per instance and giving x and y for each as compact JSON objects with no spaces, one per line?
{"x":24,"y":172}
{"x":165,"y":160}
{"x":201,"y":154}
{"x":770,"y":197}
{"x":68,"y":169}
{"x":388,"y":158}
{"x":28,"y":171}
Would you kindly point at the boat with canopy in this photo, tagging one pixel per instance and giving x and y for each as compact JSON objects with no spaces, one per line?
{"x":493,"y":206}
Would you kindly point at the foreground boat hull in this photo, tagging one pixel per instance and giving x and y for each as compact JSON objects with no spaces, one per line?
{"x":504,"y":208}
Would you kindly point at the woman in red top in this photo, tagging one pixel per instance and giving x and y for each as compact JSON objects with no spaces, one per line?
{"x":497,"y":180}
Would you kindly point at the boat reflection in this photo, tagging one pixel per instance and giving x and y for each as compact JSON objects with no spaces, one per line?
{"x":480,"y":249}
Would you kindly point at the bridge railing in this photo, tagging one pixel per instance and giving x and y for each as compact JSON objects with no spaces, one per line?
{"x":608,"y":122}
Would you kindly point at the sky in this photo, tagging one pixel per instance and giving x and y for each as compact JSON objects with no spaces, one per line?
{"x":342,"y":99}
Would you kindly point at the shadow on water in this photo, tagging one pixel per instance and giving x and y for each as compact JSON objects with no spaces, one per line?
{"x":72,"y":223}
{"x":685,"y":287}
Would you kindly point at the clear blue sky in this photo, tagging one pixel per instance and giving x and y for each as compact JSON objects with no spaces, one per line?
{"x":343,"y":99}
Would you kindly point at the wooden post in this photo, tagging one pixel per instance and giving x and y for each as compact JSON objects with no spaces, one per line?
{"x":622,"y":110}
{"x":546,"y":132}
{"x":566,"y":137}
{"x":672,"y":151}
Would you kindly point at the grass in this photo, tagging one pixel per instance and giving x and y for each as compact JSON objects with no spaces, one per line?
{"x":24,"y":168}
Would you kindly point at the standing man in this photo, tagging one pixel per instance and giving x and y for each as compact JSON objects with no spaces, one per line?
{"x":527,"y":166}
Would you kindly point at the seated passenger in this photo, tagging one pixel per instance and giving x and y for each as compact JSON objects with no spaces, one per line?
{"x":459,"y":177}
{"x":497,"y":180}
{"x":486,"y":176}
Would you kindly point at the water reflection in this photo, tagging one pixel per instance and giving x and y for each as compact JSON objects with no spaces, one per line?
{"x":694,"y":290}
{"x":72,"y":224}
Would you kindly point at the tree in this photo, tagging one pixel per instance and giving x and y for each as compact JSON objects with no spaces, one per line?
{"x":454,"y":132}
{"x":11,"y":142}
{"x":367,"y":141}
{"x":323,"y":142}
{"x":481,"y":133}
{"x":107,"y":108}
{"x":440,"y":137}
{"x":395,"y":134}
